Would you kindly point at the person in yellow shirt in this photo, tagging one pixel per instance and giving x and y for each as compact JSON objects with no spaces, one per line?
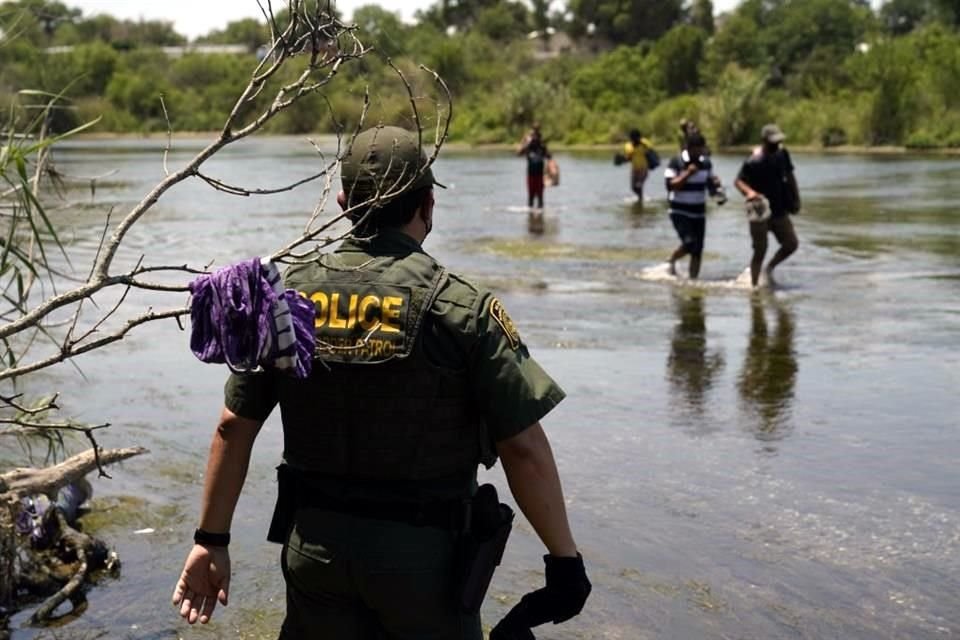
{"x":643,"y":159}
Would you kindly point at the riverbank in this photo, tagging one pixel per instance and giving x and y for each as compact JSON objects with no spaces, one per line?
{"x":461,"y":145}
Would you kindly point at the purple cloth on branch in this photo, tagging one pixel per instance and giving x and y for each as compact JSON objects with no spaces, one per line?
{"x":242,"y":316}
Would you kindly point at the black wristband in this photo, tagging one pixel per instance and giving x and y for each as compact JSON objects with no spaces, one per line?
{"x":211,"y":539}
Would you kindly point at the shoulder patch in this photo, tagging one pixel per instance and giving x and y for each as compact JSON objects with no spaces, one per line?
{"x":499,"y":314}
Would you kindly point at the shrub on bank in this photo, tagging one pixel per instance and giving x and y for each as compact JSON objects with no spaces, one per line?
{"x":850,"y":83}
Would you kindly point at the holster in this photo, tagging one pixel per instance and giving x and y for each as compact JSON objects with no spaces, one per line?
{"x":481,"y":548}
{"x":286,"y":507}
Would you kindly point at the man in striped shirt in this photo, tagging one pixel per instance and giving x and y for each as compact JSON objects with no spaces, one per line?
{"x":689,"y":178}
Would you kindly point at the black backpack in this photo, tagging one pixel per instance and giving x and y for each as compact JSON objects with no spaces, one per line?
{"x":653,"y":158}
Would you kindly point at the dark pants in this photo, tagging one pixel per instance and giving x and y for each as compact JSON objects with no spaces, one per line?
{"x":353,"y":578}
{"x":690,"y":230}
{"x":535,"y":189}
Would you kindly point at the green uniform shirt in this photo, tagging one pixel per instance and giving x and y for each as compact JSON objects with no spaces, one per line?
{"x":470,"y":330}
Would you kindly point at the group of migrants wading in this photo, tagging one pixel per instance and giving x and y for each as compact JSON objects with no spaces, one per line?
{"x":766,"y":179}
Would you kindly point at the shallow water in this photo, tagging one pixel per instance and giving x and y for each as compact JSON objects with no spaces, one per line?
{"x":737,"y":465}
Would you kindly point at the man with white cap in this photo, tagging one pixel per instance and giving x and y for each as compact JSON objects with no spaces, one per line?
{"x":767,"y":177}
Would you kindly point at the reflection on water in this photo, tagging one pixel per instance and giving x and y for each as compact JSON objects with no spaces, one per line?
{"x":691,"y":366}
{"x":637,"y":207}
{"x":769,"y":373}
{"x":535,"y":222}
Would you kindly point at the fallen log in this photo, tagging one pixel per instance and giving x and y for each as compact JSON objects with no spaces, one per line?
{"x":26,"y":482}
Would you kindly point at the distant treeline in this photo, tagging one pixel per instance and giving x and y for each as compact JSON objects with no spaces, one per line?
{"x":830,"y":72}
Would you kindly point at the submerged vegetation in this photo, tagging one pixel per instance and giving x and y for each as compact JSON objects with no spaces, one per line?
{"x":831,"y":72}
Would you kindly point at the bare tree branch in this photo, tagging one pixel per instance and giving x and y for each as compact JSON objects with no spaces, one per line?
{"x":43,"y":407}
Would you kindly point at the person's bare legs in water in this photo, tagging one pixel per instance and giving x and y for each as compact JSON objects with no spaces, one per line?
{"x":694,"y":269}
{"x":783,"y":231}
{"x":785,"y":234}
{"x":535,"y":222}
{"x":758,"y":232}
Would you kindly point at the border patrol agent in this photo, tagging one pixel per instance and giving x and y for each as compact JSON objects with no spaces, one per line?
{"x":419,"y":377}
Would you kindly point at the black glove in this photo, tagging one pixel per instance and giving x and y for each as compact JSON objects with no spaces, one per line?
{"x":563,"y":598}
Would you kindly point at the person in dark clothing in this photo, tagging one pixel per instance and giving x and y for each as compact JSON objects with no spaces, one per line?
{"x":768,"y":173}
{"x":534,"y":148}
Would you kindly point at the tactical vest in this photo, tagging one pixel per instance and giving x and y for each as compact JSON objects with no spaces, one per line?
{"x":375,"y":409}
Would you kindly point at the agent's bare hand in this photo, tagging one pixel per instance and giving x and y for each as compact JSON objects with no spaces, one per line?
{"x":205,"y":581}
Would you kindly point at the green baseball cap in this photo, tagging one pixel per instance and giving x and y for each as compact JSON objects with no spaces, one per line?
{"x":388,"y":159}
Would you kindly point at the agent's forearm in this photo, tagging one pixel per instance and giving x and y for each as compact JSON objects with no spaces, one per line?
{"x":535,"y":484}
{"x":226,"y":470}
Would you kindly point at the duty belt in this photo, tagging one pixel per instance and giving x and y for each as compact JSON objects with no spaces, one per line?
{"x":295,"y":492}
{"x":451,"y":514}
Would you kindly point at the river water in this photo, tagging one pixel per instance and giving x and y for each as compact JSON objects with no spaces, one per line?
{"x":740,"y":465}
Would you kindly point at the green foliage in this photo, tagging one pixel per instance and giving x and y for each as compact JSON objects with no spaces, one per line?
{"x":739,"y":43}
{"x":34,"y":21}
{"x":662,"y":124}
{"x":938,"y":53}
{"x":93,"y":65}
{"x":626,"y":75}
{"x":249,"y":32}
{"x":948,"y":11}
{"x":827,"y":121}
{"x":900,"y":17}
{"x":136,"y":94}
{"x":701,"y":15}
{"x":503,"y":22}
{"x":524,"y":101}
{"x":382,"y":29}
{"x":819,"y":74}
{"x":464,"y":14}
{"x":625,"y":21}
{"x":936,"y":134}
{"x":737,"y":110}
{"x":541,"y":14}
{"x":27,"y":234}
{"x":680,"y":52}
{"x":798,"y":27}
{"x":889,"y":73}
